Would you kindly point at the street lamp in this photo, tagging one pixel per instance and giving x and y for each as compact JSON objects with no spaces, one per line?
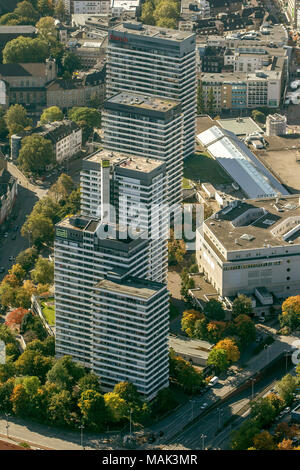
{"x":253,"y":381}
{"x":7,"y":423}
{"x":203,"y":436}
{"x":81,"y":427}
{"x":130,"y":421}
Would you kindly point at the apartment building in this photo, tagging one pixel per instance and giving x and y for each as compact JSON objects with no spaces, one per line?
{"x":134,"y":314}
{"x":156,"y":61}
{"x":293,"y":11}
{"x":135,"y":188}
{"x":242,"y":90}
{"x":8,"y":190}
{"x":149,"y":127}
{"x":108,"y":317}
{"x":252,"y":244}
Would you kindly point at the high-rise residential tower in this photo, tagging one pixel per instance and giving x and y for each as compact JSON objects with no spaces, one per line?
{"x":156,"y":61}
{"x":135,"y":188}
{"x":109,"y":317}
{"x":143,"y":125}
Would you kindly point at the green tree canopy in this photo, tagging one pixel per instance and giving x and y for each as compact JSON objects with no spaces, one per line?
{"x":54,"y":113}
{"x":27,"y":258}
{"x":16,"y":119}
{"x":213,"y":310}
{"x":43,"y":271}
{"x":242,"y":305}
{"x":35,"y":154}
{"x":218,"y":359}
{"x":71,"y":62}
{"x":23,"y":49}
{"x":47,"y":30}
{"x":93,"y":409}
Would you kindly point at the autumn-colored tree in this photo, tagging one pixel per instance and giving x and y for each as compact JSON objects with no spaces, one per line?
{"x":276,"y":401}
{"x":286,"y":444}
{"x":233,"y":353}
{"x":116,"y":406}
{"x":188,"y":320}
{"x":245,"y":329}
{"x":263,"y":441}
{"x":19,"y":399}
{"x":17,"y":271}
{"x":290,"y":315}
{"x":15,"y":317}
{"x":215,"y":330}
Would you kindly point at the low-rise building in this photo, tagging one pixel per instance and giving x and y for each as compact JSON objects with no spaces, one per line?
{"x":253,"y":244}
{"x":276,"y":124}
{"x":8,"y":190}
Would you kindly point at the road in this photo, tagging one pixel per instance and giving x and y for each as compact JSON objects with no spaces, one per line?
{"x":208,"y":426}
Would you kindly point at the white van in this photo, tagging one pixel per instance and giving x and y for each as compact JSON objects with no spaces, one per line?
{"x":213,"y":381}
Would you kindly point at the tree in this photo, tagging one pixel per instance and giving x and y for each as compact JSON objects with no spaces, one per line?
{"x":86,"y":118}
{"x":18,"y":272}
{"x":7,"y":371}
{"x":290,"y":315}
{"x":62,"y":188}
{"x":166,"y":13}
{"x":116,"y":406}
{"x":188,"y":321}
{"x":264,"y":441}
{"x":65,"y":373}
{"x":39,"y":229}
{"x":23,"y":49}
{"x":15,"y":317}
{"x":233,"y":353}
{"x":89,"y":381}
{"x":71,"y":62}
{"x":286,"y":387}
{"x":7,"y":294}
{"x":200,"y":100}
{"x":60,"y":407}
{"x":184,"y":374}
{"x":19,"y":399}
{"x":263,"y":411}
{"x":35,"y":154}
{"x":16,"y":119}
{"x":47,"y":30}
{"x":93,"y":409}
{"x":218,"y":359}
{"x":242,"y":305}
{"x":54,"y":113}
{"x":128,"y":392}
{"x":27,"y":258}
{"x":26,"y":13}
{"x":213,"y":310}
{"x":164,"y":401}
{"x":245,"y":329}
{"x":45,"y":7}
{"x":33,"y":363}
{"x":242,"y":438}
{"x":286,"y":444}
{"x":258,"y":116}
{"x":6,"y":390}
{"x":147,"y":13}
{"x":43,"y":271}
{"x":211,"y":102}
{"x":45,"y":348}
{"x":59,"y":10}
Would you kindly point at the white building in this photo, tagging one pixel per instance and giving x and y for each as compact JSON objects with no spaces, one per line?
{"x":276,"y":124}
{"x":136,"y":187}
{"x":108,"y":317}
{"x":252,"y":244}
{"x":156,"y":61}
{"x":65,"y":136}
{"x":149,"y":127}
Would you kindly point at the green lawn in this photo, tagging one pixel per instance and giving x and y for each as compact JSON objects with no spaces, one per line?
{"x":201,"y":166}
{"x":49,"y":311}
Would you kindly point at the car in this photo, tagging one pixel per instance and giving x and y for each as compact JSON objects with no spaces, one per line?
{"x":5,"y":235}
{"x":287,"y":409}
{"x":203,"y":406}
{"x":2,"y":269}
{"x":11,"y":258}
{"x":262,"y":319}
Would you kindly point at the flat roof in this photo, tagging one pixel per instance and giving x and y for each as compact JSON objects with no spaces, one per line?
{"x":190,"y":347}
{"x":131,"y":286}
{"x":128,"y":161}
{"x":240,"y":126}
{"x":153,"y":31}
{"x":142,"y":101}
{"x":260,"y":224}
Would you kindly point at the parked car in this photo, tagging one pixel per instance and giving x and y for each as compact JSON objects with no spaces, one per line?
{"x":203,"y":406}
{"x":5,"y":235}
